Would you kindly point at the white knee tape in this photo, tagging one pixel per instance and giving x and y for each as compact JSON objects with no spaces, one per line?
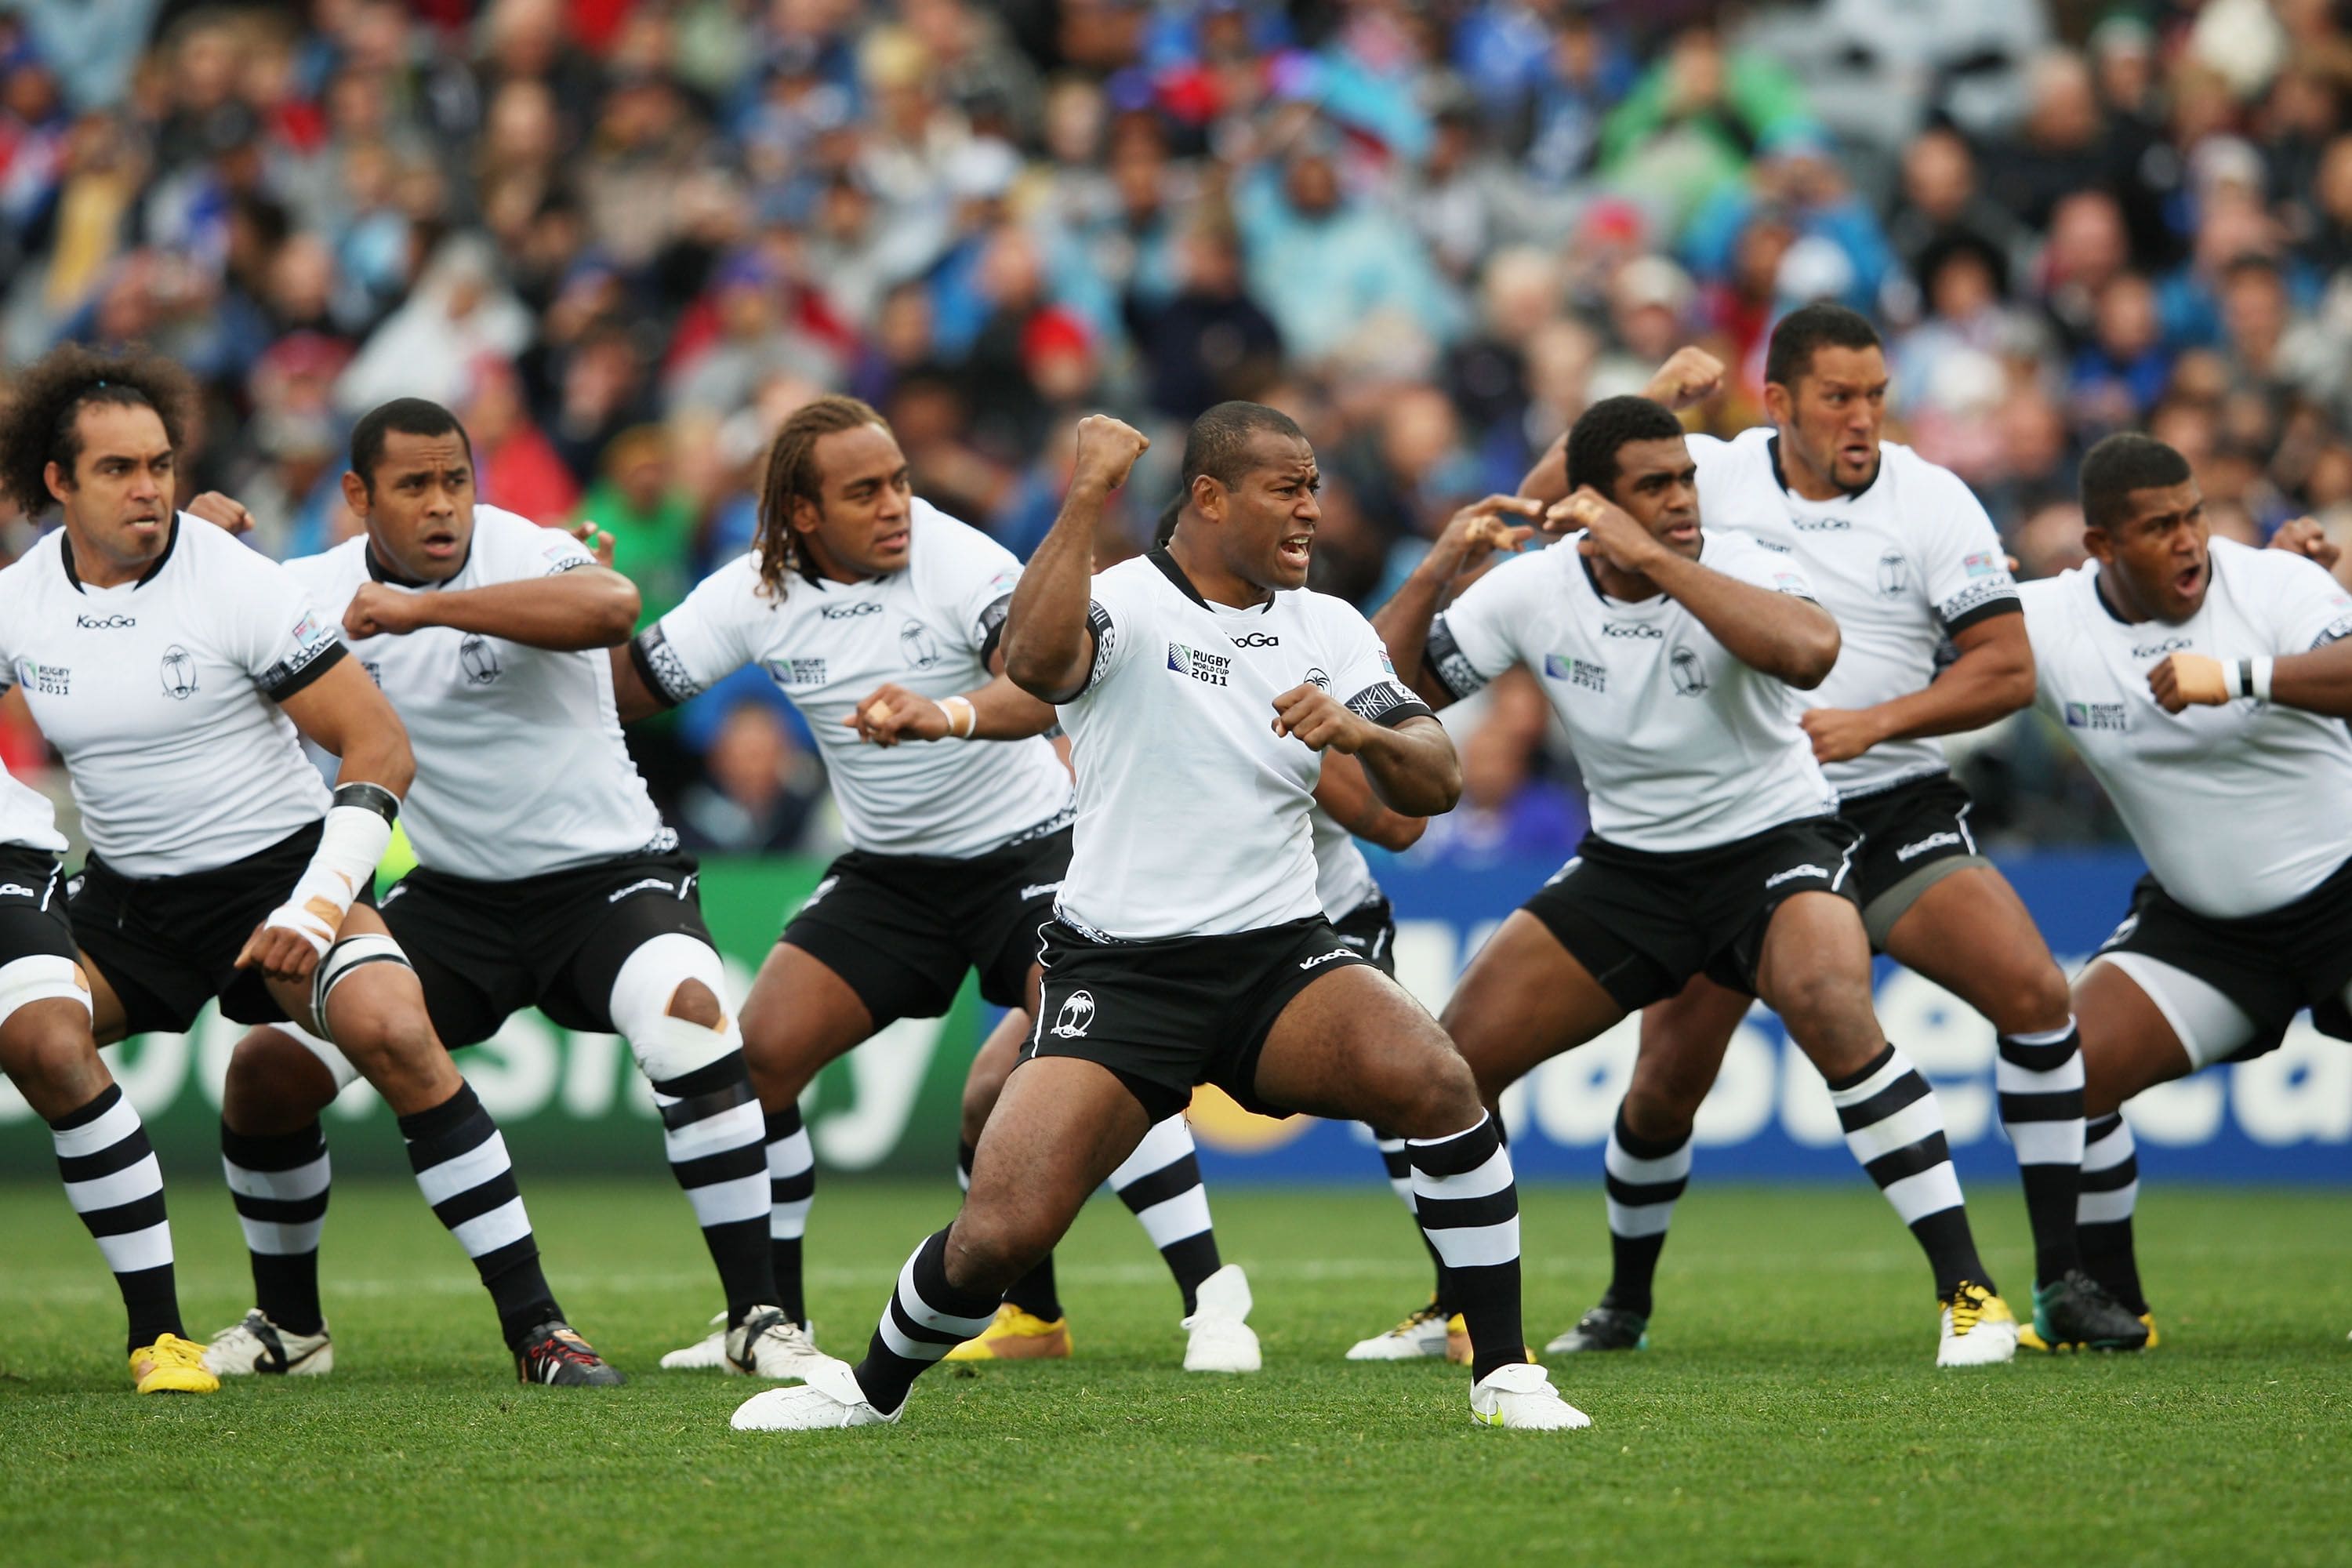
{"x":650,"y":977}
{"x":41,"y":977}
{"x":334,"y":1061}
{"x":2209,"y":1026}
{"x":350,"y":953}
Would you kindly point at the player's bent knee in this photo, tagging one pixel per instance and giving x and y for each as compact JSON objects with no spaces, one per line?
{"x":276,"y":1083}
{"x":355,"y":966}
{"x":987,"y":1249}
{"x":694,"y":1003}
{"x":1656,"y":1114}
{"x":43,"y":977}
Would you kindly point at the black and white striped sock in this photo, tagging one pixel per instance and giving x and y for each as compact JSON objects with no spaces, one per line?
{"x":1895,"y":1129}
{"x":461,"y":1165}
{"x":2104,"y":1213}
{"x":1643,"y":1180}
{"x":792,"y":1187}
{"x":280,"y":1185}
{"x":1468,"y":1207}
{"x":2039,"y":1079}
{"x":1399,"y":1174}
{"x":113,"y":1183}
{"x":926,"y":1318}
{"x":716,"y":1141}
{"x":1161,"y":1186}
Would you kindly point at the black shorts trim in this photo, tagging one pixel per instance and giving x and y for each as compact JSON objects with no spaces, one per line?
{"x":2272,"y":965}
{"x":167,"y":945}
{"x":485,"y":950}
{"x":901,"y":931}
{"x":1167,"y":1015}
{"x":33,"y":918}
{"x":1644,"y":922}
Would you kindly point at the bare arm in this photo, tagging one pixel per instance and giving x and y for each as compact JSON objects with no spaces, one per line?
{"x":1471,"y":535}
{"x":631,"y":694}
{"x":1000,"y":712}
{"x":1785,"y":637}
{"x":1690,"y":376}
{"x":1345,"y":795}
{"x":1992,"y":679}
{"x":1048,"y":651}
{"x":343,"y":712}
{"x":2319,"y":682}
{"x":1411,"y":766}
{"x":586,"y":607}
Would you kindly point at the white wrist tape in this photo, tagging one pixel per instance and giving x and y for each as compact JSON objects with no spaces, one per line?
{"x":962,"y":717}
{"x":350,"y":847}
{"x":2248,"y":677}
{"x":2259,"y":686}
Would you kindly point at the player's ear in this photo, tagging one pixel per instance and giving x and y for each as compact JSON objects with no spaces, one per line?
{"x":1778,"y":404}
{"x":356,"y":494}
{"x":1209,"y":497}
{"x":803,"y":515}
{"x":59,"y":481}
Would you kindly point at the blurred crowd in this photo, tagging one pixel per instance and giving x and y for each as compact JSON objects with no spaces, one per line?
{"x":623,"y":237}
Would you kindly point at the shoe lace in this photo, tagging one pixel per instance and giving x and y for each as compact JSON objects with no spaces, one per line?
{"x":174,"y":1351}
{"x":1967,"y":1306}
{"x":1418,"y":1319}
{"x":567,"y":1346}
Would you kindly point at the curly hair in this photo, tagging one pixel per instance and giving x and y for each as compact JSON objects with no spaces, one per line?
{"x":2122,"y":463}
{"x":1602,"y":429}
{"x":39,"y":422}
{"x":793,"y":475}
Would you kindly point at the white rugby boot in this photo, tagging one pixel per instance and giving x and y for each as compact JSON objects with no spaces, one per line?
{"x":254,"y":1345}
{"x":1978,"y":1330}
{"x":769,"y":1344}
{"x":1521,"y":1396}
{"x":1221,"y":1340}
{"x":708,"y":1353}
{"x":829,"y":1398}
{"x":1421,"y":1337}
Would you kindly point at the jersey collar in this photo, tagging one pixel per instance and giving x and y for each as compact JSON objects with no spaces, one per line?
{"x":1773,"y":450}
{"x":64,"y":556}
{"x":1175,"y":574}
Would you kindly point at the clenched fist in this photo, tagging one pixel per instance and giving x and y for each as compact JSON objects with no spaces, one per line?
{"x":378,"y":611}
{"x":1690,"y":375}
{"x":1107,"y":449}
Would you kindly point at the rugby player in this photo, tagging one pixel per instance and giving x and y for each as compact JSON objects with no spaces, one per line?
{"x":1674,"y":655}
{"x":175,"y":672}
{"x":1198,"y":683}
{"x":545,"y":876}
{"x":2206,"y":685}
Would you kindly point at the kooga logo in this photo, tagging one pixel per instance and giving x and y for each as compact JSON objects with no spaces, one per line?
{"x":843,"y":611}
{"x":106,"y":623}
{"x":1620,"y":629}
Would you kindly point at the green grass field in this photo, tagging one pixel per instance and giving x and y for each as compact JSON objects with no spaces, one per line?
{"x":1790,"y":1411}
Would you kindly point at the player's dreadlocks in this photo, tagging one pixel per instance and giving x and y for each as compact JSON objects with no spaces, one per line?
{"x":1605,"y":426}
{"x":793,"y":475}
{"x":37,"y":423}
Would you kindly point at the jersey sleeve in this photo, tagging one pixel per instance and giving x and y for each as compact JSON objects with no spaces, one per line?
{"x":1366,"y":677}
{"x":1966,"y":569}
{"x":2313,"y":608}
{"x":715,"y":631}
{"x":514,"y":549}
{"x":282,"y":640}
{"x":1752,"y":561}
{"x":1115,"y":617}
{"x":1472,"y":641}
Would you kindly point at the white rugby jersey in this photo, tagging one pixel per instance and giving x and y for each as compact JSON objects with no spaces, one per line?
{"x":2239,"y":808}
{"x":1903,"y":565}
{"x":1195,"y":817}
{"x":520,"y":768}
{"x":829,"y":644}
{"x":1682,"y":746}
{"x":1343,"y":877}
{"x":27,"y":817}
{"x":159,"y":696}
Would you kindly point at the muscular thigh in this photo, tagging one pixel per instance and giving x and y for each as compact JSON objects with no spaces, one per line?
{"x":1061,"y":1126}
{"x":798,"y":1016}
{"x":1971,"y":934}
{"x":1683,"y":1041}
{"x":2128,"y":1043}
{"x":1524,"y":999}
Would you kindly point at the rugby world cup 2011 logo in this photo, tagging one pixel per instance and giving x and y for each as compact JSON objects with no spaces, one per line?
{"x":1077,"y":1013}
